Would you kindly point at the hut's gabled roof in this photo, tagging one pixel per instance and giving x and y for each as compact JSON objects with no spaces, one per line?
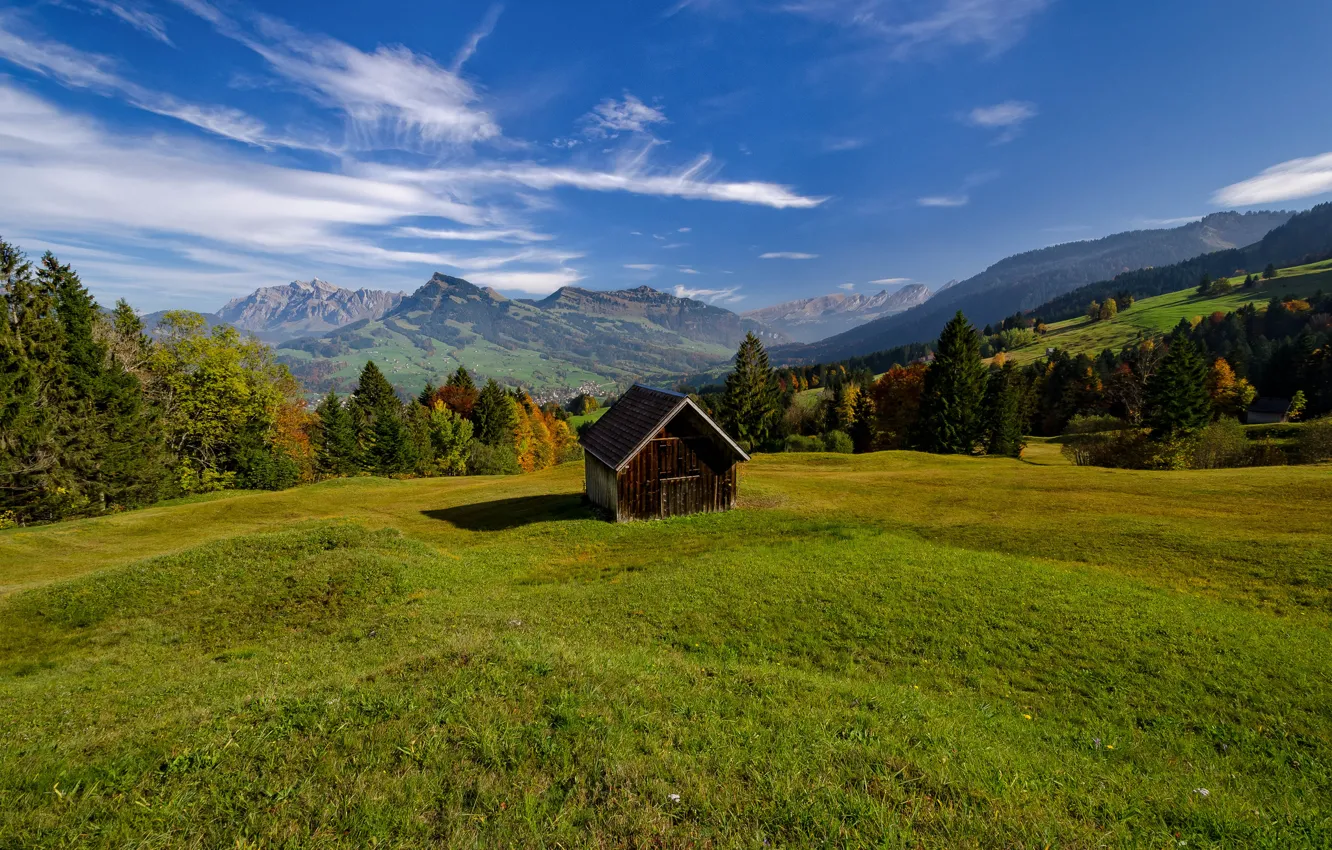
{"x":636,"y":418}
{"x":1268,"y":404}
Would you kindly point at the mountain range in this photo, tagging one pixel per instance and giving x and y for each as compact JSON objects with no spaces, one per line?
{"x":813,"y":319}
{"x":572,"y":340}
{"x":1026,"y":280}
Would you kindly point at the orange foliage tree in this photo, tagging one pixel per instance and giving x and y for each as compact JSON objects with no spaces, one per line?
{"x":897,"y":404}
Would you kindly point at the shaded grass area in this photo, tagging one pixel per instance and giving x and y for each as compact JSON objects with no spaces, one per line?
{"x":886,"y":650}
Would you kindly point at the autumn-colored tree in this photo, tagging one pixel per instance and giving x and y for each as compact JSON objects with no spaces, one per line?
{"x":460,"y":399}
{"x":1109,"y":308}
{"x":897,"y":404}
{"x":1230,"y":396}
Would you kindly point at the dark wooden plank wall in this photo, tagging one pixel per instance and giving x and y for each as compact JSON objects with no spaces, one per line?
{"x":669,"y":477}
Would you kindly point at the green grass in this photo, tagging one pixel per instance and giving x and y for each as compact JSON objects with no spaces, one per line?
{"x":874,"y":651}
{"x":575,"y":421}
{"x":1160,"y":314}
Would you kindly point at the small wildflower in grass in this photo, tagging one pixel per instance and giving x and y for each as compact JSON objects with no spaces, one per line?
{"x":1109,"y":746}
{"x":1202,"y":792}
{"x":1028,"y":716}
{"x":674,"y":798}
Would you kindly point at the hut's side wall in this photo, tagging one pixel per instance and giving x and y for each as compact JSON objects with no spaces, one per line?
{"x":601,"y":486}
{"x":670,"y":477}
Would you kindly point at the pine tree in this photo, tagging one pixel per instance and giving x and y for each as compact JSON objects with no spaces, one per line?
{"x":1003,"y":413}
{"x":750,"y":404}
{"x":1205,"y":285}
{"x":461,"y":378}
{"x":864,"y":429}
{"x":494,"y":418}
{"x":1177,"y":401}
{"x":393,"y":450}
{"x":336,"y":450}
{"x":427,"y":396}
{"x":950,"y":405}
{"x":372,"y":400}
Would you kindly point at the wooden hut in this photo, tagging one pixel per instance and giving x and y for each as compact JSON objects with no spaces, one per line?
{"x":1268,"y":411}
{"x":657,"y":454}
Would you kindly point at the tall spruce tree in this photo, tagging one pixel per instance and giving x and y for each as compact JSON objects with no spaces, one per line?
{"x":336,"y":449}
{"x":494,"y":418}
{"x":1177,"y":402}
{"x":749,"y":404}
{"x":373,"y":399}
{"x":427,"y":396}
{"x":951,"y":402}
{"x":461,"y":378}
{"x":393,"y":450}
{"x":1003,"y":413}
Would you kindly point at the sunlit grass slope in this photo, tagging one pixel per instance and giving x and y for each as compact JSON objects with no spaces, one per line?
{"x":1160,"y":314}
{"x":882,"y":650}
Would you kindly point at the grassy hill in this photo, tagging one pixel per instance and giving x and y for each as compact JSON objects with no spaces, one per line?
{"x":1160,"y":314}
{"x":883,"y":650}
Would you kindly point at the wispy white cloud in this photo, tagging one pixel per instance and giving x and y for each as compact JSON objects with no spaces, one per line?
{"x":611,"y":117}
{"x":672,"y":245}
{"x":907,"y":29}
{"x":532,"y":283}
{"x":77,"y":69}
{"x":890,"y":281}
{"x":1286,"y":181}
{"x":642,"y":267}
{"x":1008,"y":117}
{"x":468,"y":50}
{"x":479,"y":235}
{"x":787,"y":255}
{"x":712,"y":296}
{"x":696,"y":181}
{"x":142,"y":20}
{"x":839,"y":145}
{"x":847,"y":286}
{"x":684,"y":230}
{"x":943,"y":201}
{"x":687,"y":270}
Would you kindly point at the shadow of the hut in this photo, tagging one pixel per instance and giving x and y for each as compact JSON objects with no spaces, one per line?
{"x":501,"y":514}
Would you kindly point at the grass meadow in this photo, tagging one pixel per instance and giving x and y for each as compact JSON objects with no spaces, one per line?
{"x":888,"y":650}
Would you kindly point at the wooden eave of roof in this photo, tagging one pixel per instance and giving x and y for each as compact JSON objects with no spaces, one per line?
{"x":642,"y":425}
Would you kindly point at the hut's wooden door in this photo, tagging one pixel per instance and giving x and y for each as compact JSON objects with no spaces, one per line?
{"x":678,"y":478}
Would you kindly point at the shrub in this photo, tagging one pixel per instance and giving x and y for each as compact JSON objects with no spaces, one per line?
{"x":799,"y":443}
{"x":1093,"y":424}
{"x":1124,"y":448}
{"x":1221,"y":445}
{"x":492,"y":460}
{"x":838,"y":441}
{"x":1267,"y":452}
{"x":1315,"y":441}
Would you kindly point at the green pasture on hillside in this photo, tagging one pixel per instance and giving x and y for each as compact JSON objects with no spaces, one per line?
{"x":1161,"y":313}
{"x":887,"y":650}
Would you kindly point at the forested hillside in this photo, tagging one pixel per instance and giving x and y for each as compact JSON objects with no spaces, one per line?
{"x":1023,"y":281}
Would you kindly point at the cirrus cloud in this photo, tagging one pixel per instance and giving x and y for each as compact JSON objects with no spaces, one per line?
{"x":787,"y":255}
{"x":1286,"y":181}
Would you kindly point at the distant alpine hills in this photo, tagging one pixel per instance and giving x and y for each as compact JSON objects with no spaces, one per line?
{"x":813,"y":319}
{"x":304,"y":308}
{"x":572,"y":339}
{"x":1026,"y":280}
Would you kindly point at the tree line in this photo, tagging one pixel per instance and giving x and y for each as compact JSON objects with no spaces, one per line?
{"x":97,"y":416}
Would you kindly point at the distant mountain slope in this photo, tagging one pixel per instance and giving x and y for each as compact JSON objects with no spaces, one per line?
{"x":813,"y":319}
{"x":1159,"y":314}
{"x":1026,"y":280}
{"x":305,"y":308}
{"x":565,"y":342}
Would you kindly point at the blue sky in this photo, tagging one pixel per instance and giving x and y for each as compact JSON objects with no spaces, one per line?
{"x":183,"y":152}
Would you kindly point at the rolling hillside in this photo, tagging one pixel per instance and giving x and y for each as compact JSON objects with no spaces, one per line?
{"x":1024,"y":281}
{"x":1161,"y":313}
{"x":574,"y":340}
{"x":873,"y":650}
